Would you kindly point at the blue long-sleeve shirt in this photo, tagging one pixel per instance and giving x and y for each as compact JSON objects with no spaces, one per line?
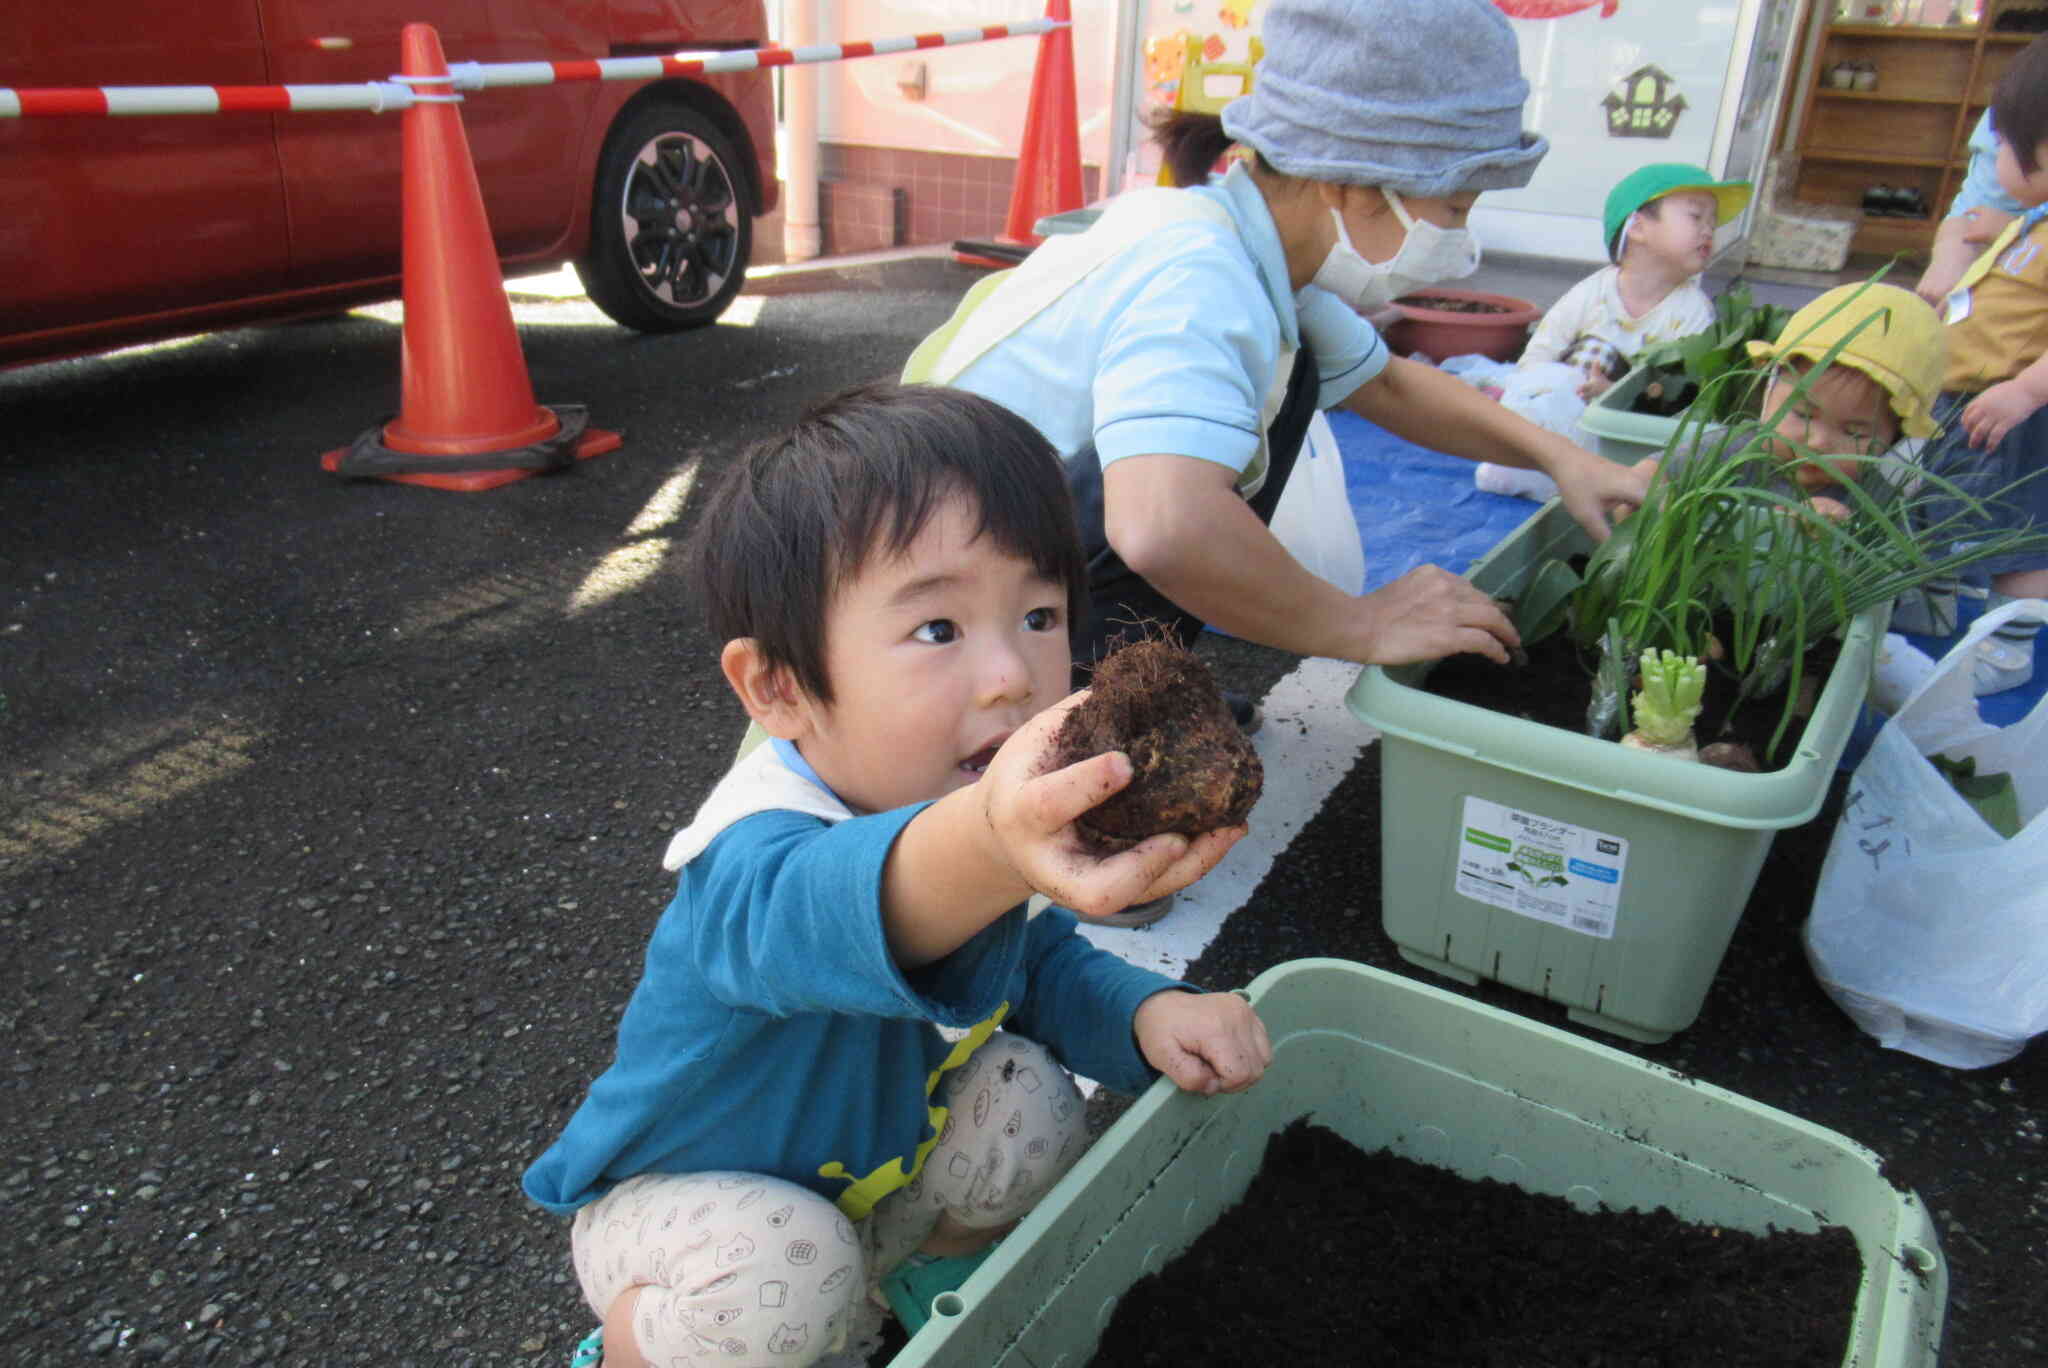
{"x":772,"y":1032}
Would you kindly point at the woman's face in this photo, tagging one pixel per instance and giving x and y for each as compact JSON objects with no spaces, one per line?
{"x":1377,"y":231}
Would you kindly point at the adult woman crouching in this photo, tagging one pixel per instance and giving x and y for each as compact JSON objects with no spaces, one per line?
{"x":1175,"y":351}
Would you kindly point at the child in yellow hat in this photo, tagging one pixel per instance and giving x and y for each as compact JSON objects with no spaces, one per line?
{"x":1883,"y":350}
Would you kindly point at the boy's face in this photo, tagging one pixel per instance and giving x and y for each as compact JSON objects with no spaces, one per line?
{"x":1843,"y":415}
{"x":2029,"y":188}
{"x":1681,"y":233}
{"x":935,"y":657}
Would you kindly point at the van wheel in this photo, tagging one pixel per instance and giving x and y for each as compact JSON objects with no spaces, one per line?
{"x":670,"y":234}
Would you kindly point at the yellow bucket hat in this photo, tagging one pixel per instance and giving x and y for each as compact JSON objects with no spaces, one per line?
{"x":1892,"y":335}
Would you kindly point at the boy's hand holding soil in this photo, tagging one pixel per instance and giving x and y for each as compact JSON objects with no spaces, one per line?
{"x":1037,"y":816}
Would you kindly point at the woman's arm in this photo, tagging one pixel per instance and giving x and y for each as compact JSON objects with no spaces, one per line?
{"x":1177,"y":521}
{"x":1443,"y":413}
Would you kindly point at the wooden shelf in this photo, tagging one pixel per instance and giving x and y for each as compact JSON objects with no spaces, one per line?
{"x":1940,"y":33}
{"x":1882,"y":97}
{"x":1845,"y":154}
{"x":1886,"y":235}
{"x":1932,"y":84}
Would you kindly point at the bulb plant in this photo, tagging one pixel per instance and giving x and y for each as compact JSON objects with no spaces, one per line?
{"x":1727,"y":567}
{"x":1668,"y":705}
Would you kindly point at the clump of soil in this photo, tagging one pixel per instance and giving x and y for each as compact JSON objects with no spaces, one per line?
{"x":1192,"y":769}
{"x":1445,"y":304}
{"x":1339,"y":1256}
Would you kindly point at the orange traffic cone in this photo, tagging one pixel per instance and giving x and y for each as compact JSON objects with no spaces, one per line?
{"x":1049,"y":160}
{"x":468,"y":419}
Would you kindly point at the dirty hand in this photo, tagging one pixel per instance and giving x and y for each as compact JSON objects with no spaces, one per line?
{"x":1996,"y":412}
{"x":1430,"y":613}
{"x":1030,"y":811}
{"x":1204,"y":1042}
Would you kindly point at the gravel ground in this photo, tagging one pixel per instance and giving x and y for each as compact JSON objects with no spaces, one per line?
{"x":330,"y":820}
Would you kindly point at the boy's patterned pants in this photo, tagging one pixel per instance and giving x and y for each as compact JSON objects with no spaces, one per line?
{"x":745,"y":1268}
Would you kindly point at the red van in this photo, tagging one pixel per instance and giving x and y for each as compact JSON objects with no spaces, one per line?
{"x":120,"y":230}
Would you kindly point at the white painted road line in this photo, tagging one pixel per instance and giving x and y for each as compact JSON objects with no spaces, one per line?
{"x":1309,"y":743}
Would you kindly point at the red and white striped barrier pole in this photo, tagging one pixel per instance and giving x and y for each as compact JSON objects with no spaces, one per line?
{"x":380,"y":97}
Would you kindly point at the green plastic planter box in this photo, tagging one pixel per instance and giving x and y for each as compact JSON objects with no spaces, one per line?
{"x":1652,"y":858}
{"x":1627,"y":437}
{"x":1389,"y":1062}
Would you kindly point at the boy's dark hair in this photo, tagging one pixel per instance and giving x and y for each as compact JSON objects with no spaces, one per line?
{"x":2019,"y":104}
{"x":861,"y":473}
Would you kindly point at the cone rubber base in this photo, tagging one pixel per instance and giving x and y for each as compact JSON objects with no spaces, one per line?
{"x":470,"y":472}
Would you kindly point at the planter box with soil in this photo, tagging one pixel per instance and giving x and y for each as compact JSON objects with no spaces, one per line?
{"x":1389,"y":1063}
{"x":1622,"y":430}
{"x":1605,"y":879}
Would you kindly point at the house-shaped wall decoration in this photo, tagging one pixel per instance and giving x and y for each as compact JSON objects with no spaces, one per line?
{"x":1644,"y":104}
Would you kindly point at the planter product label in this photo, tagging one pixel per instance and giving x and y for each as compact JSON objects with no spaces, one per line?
{"x":1540,"y":867}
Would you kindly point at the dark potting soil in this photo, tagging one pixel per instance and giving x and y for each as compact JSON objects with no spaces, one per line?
{"x":1339,"y":1256}
{"x":1555,"y":683}
{"x":1447,"y":305}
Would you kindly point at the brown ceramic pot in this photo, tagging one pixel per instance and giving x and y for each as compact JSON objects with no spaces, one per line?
{"x":1498,"y":332}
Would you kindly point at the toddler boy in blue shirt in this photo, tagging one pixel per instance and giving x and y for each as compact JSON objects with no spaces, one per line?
{"x":784,"y":1127}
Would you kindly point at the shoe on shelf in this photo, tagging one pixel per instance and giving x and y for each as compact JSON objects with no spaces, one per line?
{"x":1248,"y":715}
{"x":1134,"y":916}
{"x":912,"y":1287}
{"x":2002,"y":665}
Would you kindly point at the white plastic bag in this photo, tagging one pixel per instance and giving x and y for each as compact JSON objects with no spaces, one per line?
{"x":1928,"y":928}
{"x":1313,"y":519}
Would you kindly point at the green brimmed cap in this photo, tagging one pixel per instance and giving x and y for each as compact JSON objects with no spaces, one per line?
{"x":1659,"y":179}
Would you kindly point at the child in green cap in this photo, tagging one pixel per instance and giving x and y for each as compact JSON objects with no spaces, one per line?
{"x":1658,"y":227}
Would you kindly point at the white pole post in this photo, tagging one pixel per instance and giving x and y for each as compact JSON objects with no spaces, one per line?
{"x":802,"y":234}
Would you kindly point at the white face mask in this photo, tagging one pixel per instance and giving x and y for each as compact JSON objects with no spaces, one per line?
{"x":1428,"y":255}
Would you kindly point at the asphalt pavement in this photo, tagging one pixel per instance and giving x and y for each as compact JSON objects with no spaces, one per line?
{"x":330,"y":824}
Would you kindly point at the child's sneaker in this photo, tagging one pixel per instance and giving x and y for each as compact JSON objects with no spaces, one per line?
{"x":589,"y":1353}
{"x":920,"y":1279}
{"x":1525,"y":484}
{"x":2002,"y":665}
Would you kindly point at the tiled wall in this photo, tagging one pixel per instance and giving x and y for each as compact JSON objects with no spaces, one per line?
{"x":871,"y":198}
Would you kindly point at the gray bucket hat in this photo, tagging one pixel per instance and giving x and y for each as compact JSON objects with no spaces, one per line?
{"x":1423,"y":97}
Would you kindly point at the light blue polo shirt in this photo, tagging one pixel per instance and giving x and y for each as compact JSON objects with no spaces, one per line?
{"x":1980,"y":183}
{"x":1171,"y":346}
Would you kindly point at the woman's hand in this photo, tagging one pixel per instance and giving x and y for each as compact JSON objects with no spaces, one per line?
{"x":1595,"y":489}
{"x":1430,"y":613}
